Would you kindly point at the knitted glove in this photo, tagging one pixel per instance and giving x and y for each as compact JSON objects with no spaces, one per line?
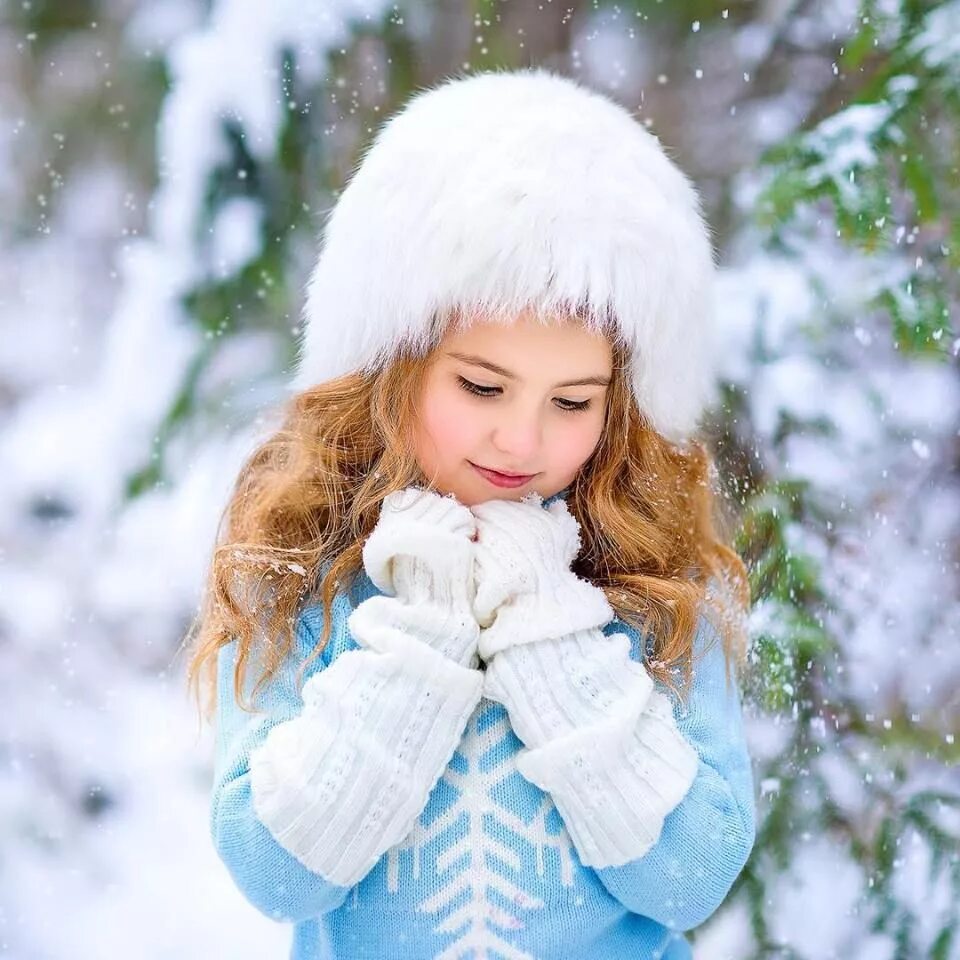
{"x":347,"y":779}
{"x":525,"y":588}
{"x":601,"y":740}
{"x":421,"y":553}
{"x":553,"y":687}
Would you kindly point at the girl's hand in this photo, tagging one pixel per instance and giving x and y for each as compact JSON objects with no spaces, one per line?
{"x":421,"y":553}
{"x":525,"y":588}
{"x":522,"y":547}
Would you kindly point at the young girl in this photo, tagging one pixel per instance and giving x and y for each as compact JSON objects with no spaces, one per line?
{"x":470,"y":624}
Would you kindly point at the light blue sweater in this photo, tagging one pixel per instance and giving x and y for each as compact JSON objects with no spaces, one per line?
{"x":489,"y":871}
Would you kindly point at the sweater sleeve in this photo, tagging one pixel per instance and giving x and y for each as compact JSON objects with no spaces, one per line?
{"x":661,"y":809}
{"x":311,"y":792}
{"x":271,"y":878}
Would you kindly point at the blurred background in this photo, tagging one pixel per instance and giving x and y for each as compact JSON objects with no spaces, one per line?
{"x":164,"y":169}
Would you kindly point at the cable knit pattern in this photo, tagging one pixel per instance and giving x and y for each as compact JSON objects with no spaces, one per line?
{"x":421,"y":552}
{"x":556,"y":687}
{"x":346,"y":779}
{"x":601,"y":740}
{"x":489,"y":867}
{"x":525,"y":589}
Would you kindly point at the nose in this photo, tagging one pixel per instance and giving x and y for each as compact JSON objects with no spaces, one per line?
{"x":518,"y":437}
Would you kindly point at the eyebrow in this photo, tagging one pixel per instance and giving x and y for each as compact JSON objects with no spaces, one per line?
{"x":480,"y":362}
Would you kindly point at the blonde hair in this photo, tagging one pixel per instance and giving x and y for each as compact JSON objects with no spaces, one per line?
{"x":652,"y":528}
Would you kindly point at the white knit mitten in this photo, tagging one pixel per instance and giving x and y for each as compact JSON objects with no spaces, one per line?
{"x":553,"y":687}
{"x":421,"y":555}
{"x":600,"y":739}
{"x":525,"y":587}
{"x":345,"y":780}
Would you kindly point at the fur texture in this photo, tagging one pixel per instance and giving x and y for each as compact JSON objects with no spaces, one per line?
{"x":507,"y":190}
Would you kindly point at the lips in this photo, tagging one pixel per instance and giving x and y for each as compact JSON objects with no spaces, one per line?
{"x":502,"y":479}
{"x":505,"y":473}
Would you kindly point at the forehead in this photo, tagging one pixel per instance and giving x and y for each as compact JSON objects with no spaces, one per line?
{"x":527,"y":340}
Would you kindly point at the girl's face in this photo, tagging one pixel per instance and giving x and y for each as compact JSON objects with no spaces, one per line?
{"x":513,"y":399}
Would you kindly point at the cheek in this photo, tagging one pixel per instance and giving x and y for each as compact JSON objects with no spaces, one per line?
{"x":445,"y":420}
{"x":581,"y":440}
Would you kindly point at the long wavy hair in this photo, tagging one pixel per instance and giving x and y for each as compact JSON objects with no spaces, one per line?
{"x":653,"y":529}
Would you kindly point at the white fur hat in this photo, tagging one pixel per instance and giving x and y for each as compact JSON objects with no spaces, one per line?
{"x":502,"y":191}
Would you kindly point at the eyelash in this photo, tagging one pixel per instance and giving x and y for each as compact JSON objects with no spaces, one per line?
{"x":475,"y":388}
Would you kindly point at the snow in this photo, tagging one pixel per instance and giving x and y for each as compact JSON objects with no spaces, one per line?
{"x":104,"y":792}
{"x":939,"y":40}
{"x":142,"y":875}
{"x":824,"y":885}
{"x":105,"y":788}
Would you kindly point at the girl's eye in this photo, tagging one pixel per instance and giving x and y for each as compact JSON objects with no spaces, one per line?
{"x":568,"y":406}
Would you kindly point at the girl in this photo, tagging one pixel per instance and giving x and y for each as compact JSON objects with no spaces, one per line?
{"x":470,"y":624}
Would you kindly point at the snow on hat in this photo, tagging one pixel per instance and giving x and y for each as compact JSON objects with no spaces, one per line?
{"x":510,"y":190}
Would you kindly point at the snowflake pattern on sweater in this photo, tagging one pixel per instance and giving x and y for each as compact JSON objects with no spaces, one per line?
{"x":480,"y":861}
{"x":489,"y":871}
